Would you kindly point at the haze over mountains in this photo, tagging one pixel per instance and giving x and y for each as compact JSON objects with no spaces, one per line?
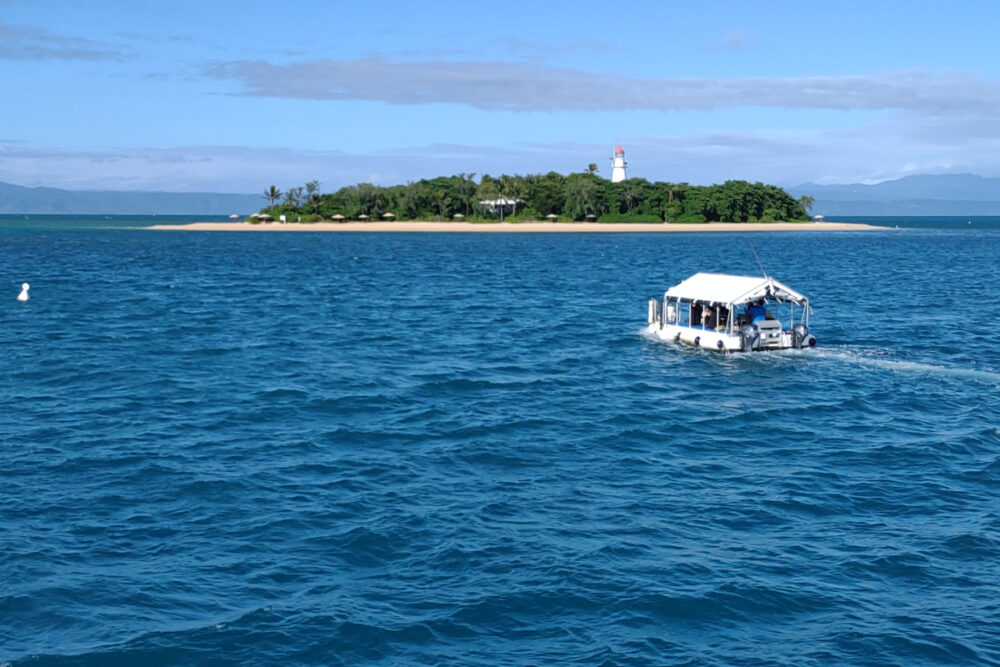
{"x":18,"y":199}
{"x":943,"y":194}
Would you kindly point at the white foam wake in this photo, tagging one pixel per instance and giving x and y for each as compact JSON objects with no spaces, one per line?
{"x":871,"y":358}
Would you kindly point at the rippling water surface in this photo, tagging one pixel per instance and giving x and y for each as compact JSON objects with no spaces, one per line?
{"x":459,"y":449}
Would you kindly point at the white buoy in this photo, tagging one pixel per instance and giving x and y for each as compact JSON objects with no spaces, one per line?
{"x":23,"y":296}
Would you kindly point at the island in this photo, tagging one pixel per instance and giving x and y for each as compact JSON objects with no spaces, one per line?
{"x":533,"y":203}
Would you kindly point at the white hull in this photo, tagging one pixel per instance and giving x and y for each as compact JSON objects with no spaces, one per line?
{"x":721,"y":341}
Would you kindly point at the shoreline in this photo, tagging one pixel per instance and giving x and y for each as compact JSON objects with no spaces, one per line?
{"x":517,"y":227}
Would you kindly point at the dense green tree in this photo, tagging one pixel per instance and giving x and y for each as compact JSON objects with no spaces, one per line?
{"x":577,"y":196}
{"x":583,"y":196}
{"x":545,"y":194}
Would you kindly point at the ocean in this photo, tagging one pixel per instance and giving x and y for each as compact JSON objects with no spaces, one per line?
{"x":438,"y":449}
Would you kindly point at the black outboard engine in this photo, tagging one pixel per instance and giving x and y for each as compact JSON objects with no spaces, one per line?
{"x":749,"y":335}
{"x":800,"y":336}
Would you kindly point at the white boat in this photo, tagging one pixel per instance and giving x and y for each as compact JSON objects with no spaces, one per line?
{"x":732,"y":314}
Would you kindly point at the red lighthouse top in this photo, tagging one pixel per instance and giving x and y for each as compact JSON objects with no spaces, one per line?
{"x":619,"y":151}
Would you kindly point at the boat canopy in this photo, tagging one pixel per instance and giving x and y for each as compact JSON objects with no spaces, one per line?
{"x":719,"y":288}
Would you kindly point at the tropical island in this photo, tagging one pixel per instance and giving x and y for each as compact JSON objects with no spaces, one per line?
{"x":580,"y":202}
{"x":552,"y":197}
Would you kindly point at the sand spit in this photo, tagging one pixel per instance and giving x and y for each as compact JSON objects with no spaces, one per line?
{"x":521,"y":227}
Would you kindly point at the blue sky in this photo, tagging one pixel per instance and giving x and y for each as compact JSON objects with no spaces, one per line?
{"x":236,"y":96}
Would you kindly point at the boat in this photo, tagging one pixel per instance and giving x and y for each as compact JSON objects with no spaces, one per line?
{"x":729,"y":313}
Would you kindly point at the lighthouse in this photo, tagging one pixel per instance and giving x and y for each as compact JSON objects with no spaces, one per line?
{"x":618,"y":165}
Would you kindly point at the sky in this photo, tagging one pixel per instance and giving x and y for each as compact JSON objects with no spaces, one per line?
{"x":227,"y":96}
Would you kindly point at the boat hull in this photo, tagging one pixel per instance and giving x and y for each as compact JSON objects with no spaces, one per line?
{"x":723,"y":341}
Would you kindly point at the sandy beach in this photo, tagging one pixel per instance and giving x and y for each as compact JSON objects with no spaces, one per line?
{"x":522,"y":227}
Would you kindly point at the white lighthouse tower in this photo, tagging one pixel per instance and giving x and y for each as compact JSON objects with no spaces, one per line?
{"x":618,"y":165}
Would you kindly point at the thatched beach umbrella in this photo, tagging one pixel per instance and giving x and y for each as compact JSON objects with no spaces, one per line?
{"x":458,"y":216}
{"x":362,"y":217}
{"x":388,"y":216}
{"x":552,"y":217}
{"x":338,"y":217}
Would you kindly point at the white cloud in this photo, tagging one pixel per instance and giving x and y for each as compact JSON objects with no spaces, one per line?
{"x":32,"y":43}
{"x":522,"y":87}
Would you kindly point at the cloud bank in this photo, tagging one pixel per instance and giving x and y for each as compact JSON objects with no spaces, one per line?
{"x":785,"y":158}
{"x":512,"y":86}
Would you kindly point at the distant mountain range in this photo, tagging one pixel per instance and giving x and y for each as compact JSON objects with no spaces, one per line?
{"x":942,"y":194}
{"x":18,"y":199}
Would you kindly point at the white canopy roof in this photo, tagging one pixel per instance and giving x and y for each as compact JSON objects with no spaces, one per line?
{"x":722,"y":288}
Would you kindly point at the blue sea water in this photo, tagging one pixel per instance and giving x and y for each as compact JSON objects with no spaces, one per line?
{"x":397,"y":449}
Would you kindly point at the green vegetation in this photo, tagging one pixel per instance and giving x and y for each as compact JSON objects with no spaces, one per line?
{"x":583,"y":196}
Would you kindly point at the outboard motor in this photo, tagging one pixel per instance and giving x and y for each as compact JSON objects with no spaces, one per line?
{"x":800,"y":336}
{"x":749,"y":335}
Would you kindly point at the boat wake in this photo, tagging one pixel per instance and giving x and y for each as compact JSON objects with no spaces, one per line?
{"x":863,"y":358}
{"x":877,"y":359}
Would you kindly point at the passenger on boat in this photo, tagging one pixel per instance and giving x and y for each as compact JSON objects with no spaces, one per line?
{"x":757,"y":311}
{"x":710,"y":319}
{"x":722,"y":317}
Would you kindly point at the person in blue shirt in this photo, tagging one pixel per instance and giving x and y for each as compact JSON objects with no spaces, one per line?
{"x":757,"y":311}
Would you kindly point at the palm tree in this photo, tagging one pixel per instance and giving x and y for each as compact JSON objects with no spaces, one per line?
{"x":807,"y":202}
{"x":467,"y":190}
{"x":441,"y":201}
{"x":514,"y":190}
{"x":293,"y":196}
{"x":272,"y":194}
{"x":315,"y":200}
{"x":591,"y":169}
{"x":488,"y":189}
{"x":501,"y":190}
